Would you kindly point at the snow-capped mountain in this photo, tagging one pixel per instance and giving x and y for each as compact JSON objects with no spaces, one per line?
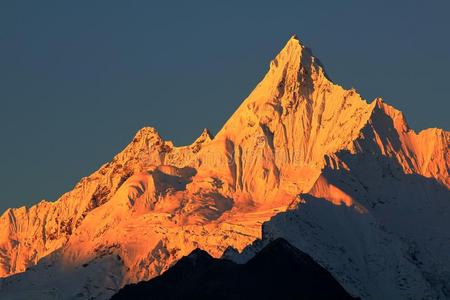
{"x":346,"y":181}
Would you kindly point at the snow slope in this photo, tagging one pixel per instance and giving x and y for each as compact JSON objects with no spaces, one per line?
{"x":346,"y":181}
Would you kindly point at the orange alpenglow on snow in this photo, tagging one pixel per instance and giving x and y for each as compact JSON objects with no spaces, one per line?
{"x":292,"y":139}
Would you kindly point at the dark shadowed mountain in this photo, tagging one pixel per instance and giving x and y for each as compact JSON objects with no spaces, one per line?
{"x":278,"y":271}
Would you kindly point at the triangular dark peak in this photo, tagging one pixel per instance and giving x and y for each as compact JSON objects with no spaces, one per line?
{"x":274,"y":273}
{"x":199,"y":254}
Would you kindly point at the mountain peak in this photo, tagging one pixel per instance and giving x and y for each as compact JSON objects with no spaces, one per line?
{"x":146,"y":132}
{"x":297,"y":133}
{"x":291,"y":51}
{"x":223,"y":279}
{"x":294,"y":70}
{"x":204,"y":137}
{"x":199,"y":254}
{"x":293,"y":76}
{"x":294,"y":37}
{"x":295,"y":41}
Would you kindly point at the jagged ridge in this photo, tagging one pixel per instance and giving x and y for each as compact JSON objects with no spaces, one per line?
{"x":296,"y":134}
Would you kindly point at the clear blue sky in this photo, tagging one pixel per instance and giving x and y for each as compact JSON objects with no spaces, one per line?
{"x":79,"y":78}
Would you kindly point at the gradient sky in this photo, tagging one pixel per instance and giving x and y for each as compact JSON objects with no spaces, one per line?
{"x":79,"y":78}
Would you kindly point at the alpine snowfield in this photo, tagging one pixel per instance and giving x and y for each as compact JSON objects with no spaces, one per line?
{"x":346,"y":181}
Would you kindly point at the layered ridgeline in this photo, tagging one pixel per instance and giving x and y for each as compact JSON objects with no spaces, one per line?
{"x":346,"y":181}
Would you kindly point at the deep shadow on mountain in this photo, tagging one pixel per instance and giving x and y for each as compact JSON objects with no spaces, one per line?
{"x":279,"y":271}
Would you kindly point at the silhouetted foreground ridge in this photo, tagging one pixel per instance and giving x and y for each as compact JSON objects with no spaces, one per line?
{"x":278,"y":271}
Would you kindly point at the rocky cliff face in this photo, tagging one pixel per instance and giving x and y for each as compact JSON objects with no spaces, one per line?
{"x":297,"y":141}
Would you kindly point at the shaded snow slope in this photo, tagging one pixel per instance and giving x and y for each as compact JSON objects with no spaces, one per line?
{"x":300,"y":152}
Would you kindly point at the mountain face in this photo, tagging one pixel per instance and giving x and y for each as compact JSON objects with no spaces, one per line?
{"x":279,"y":271}
{"x":346,"y":181}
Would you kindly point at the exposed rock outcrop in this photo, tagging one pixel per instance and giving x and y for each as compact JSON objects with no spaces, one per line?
{"x":297,"y":138}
